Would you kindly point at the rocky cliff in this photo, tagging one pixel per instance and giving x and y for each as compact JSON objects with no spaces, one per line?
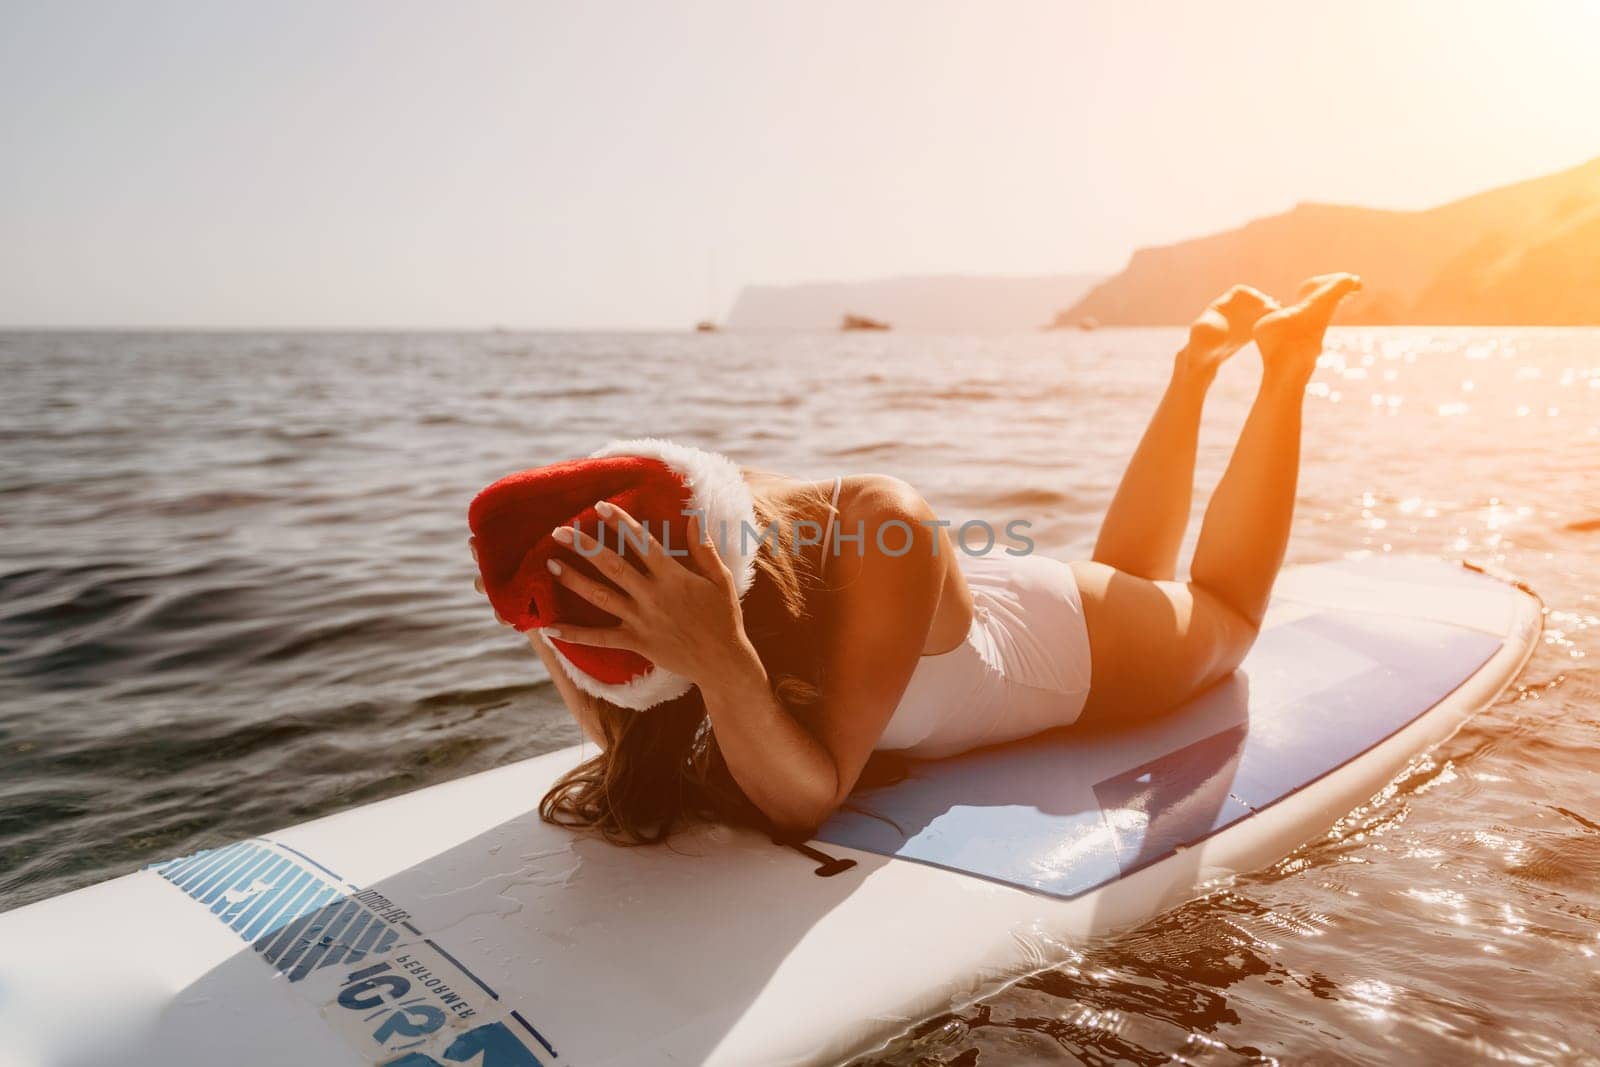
{"x":1523,"y":254}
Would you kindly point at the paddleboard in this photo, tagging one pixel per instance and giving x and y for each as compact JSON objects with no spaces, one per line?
{"x":452,"y":926}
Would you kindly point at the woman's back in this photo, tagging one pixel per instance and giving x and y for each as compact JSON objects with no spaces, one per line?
{"x":1021,"y":663}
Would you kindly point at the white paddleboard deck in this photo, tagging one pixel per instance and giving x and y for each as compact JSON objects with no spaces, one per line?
{"x":452,"y":926}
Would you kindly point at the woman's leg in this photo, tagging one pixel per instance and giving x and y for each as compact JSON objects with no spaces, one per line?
{"x":1144,"y":525}
{"x":1246,"y":527}
{"x":1153,"y":644}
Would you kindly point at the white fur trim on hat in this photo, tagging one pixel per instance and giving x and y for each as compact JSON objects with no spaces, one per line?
{"x":717,"y":490}
{"x":655,"y":686}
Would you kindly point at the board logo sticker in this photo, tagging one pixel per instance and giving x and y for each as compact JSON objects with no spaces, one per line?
{"x":397,"y":997}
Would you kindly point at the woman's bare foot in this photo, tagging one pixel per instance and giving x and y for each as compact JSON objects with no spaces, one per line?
{"x":1223,"y":328}
{"x":1290,"y":338}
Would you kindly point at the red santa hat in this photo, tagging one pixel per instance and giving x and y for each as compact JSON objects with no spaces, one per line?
{"x":657,"y":482}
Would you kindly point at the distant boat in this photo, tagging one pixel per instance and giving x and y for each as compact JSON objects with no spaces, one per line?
{"x":707,"y":326}
{"x":861,"y":322}
{"x":1088,"y":322}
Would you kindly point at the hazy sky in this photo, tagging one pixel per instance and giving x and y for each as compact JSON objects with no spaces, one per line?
{"x":584,"y":163}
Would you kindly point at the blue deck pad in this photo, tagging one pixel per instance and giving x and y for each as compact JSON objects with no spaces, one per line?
{"x":1067,"y":812}
{"x":1296,"y":739}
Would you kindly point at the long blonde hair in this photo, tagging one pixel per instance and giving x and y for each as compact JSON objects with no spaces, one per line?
{"x":660,"y":768}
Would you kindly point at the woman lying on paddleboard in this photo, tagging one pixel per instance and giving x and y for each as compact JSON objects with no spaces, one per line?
{"x":753,"y":685}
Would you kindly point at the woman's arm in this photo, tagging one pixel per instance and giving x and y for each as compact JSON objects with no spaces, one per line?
{"x":780,"y":766}
{"x":691,"y":623}
{"x":885,"y":594}
{"x":883,"y":605}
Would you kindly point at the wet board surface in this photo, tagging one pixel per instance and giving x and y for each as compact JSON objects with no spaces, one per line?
{"x":452,"y":926}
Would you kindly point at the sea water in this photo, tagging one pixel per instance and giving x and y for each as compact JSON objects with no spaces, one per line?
{"x":235,"y":594}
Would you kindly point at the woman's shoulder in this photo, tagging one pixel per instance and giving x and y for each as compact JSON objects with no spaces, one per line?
{"x":881,"y":498}
{"x":861,"y":496}
{"x":885,"y":525}
{"x":892,"y":565}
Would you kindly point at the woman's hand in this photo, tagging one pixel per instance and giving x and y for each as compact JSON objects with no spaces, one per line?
{"x":683,"y":619}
